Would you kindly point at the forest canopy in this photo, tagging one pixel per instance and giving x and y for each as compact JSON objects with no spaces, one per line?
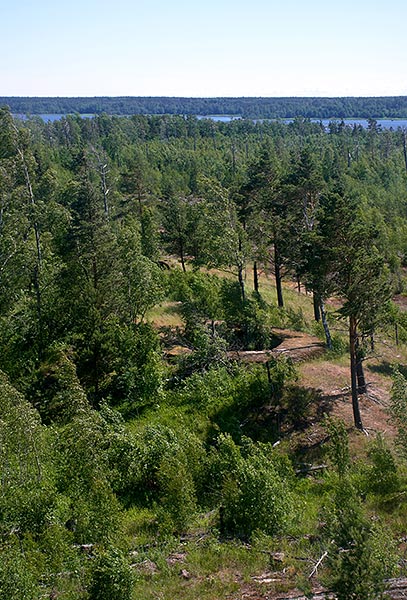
{"x":199,"y":325}
{"x":253,"y":108}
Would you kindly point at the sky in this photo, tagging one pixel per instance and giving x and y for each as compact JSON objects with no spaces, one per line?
{"x":205,"y":48}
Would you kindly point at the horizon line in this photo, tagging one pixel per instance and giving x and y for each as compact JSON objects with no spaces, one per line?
{"x":214,"y":97}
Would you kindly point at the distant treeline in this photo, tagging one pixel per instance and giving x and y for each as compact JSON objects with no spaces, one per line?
{"x":319,"y":108}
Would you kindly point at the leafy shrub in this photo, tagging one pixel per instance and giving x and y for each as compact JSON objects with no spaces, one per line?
{"x":17,"y":578}
{"x":167,"y":467}
{"x":224,"y":459}
{"x":177,"y":491}
{"x":56,"y":391}
{"x":208,"y":350}
{"x":27,"y":488}
{"x":295,"y":319}
{"x":83,"y":476}
{"x":136,"y":369}
{"x":259,"y":494}
{"x":361,"y":553}
{"x":112,"y":578}
{"x":338,"y":449}
{"x":339,"y":346}
{"x":297,"y":402}
{"x":382,"y":475}
{"x":398,"y":409}
{"x":248,"y":323}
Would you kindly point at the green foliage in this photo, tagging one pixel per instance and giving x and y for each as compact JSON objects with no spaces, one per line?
{"x":27,"y":486}
{"x":18,"y":579}
{"x":111,"y":577}
{"x":339,"y":445}
{"x":256,"y":320}
{"x":361,"y":554}
{"x":296,"y":404}
{"x":83,"y":477}
{"x":295,"y":319}
{"x":339,"y":346}
{"x":56,"y":390}
{"x":199,"y":293}
{"x":166,"y":466}
{"x":77,"y":274}
{"x":145,"y":111}
{"x":259,"y":494}
{"x":382,"y":476}
{"x":149,"y":234}
{"x":177,"y":491}
{"x":145,"y":288}
{"x":247,"y":324}
{"x":208,"y":391}
{"x":223,"y":460}
{"x":136,"y":370}
{"x":398,"y":409}
{"x":209,"y":350}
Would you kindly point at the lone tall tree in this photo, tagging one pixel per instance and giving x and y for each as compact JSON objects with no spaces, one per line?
{"x":361,"y":279}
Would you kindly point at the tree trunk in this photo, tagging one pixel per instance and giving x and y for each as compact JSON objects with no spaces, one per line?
{"x":241,"y":282}
{"x":255,"y":278}
{"x":181,"y":255}
{"x":38,"y":265}
{"x":105,"y":190}
{"x":359,"y":369}
{"x":316,"y":302}
{"x":325,"y":324}
{"x":37,"y":288}
{"x":233,"y":159}
{"x":362,"y":389}
{"x":353,"y":361}
{"x":277,"y":271}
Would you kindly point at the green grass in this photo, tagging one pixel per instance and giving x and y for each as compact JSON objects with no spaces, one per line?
{"x":200,"y":564}
{"x":165,"y":314}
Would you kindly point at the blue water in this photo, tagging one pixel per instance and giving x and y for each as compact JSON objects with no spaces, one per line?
{"x":219,"y":118}
{"x":51,"y":117}
{"x":383,"y":123}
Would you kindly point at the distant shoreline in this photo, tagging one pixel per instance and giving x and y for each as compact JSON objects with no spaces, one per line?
{"x":346,"y":107}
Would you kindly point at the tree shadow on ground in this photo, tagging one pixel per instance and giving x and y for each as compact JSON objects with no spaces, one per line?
{"x":387,"y":368}
{"x":327,"y":402}
{"x":292,"y":411}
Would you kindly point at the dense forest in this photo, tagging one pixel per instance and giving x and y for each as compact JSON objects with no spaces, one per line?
{"x":203,"y":347}
{"x":252,"y":108}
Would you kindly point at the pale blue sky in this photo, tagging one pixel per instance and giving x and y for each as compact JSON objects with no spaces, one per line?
{"x":207,"y":48}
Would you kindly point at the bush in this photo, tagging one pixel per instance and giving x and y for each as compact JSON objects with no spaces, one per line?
{"x":177,"y":492}
{"x":295,"y":319}
{"x":249,"y":323}
{"x":338,"y":449}
{"x":17,"y":579}
{"x":259,"y":495}
{"x":297,"y":402}
{"x":224,"y":459}
{"x":165,"y":461}
{"x":361,"y":553}
{"x":112,"y":578}
{"x":381,"y":476}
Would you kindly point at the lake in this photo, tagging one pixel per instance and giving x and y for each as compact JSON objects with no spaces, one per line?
{"x":383,"y":123}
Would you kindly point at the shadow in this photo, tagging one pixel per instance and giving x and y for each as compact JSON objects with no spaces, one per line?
{"x":387,"y":368}
{"x":271,"y":419}
{"x":327,"y":402}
